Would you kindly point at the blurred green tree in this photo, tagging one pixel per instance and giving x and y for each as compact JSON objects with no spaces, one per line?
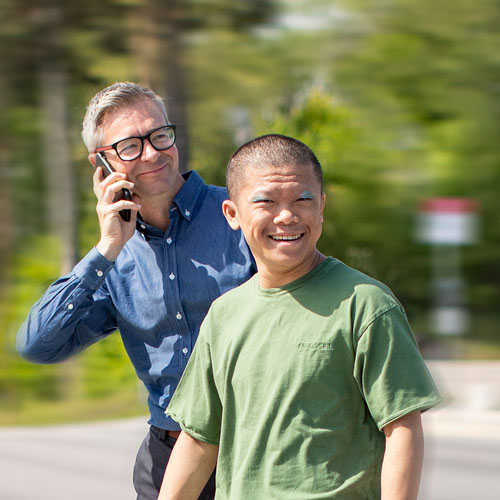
{"x":398,"y":99}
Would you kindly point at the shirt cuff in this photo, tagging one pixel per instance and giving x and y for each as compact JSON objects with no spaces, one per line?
{"x":93,"y":269}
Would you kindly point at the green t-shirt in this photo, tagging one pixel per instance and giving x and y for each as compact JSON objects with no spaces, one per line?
{"x":295,"y":383}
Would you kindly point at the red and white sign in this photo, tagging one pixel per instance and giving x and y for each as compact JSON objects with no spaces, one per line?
{"x":448,"y":221}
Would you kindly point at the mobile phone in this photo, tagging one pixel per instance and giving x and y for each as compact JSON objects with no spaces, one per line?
{"x":101,"y":161}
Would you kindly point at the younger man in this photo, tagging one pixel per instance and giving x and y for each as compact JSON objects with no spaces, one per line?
{"x":306,"y":381}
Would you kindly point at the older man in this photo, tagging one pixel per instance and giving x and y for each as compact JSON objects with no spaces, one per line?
{"x":164,"y":254}
{"x":313,"y":384}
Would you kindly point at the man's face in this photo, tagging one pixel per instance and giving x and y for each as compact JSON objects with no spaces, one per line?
{"x":154,"y":172}
{"x":280,"y":211}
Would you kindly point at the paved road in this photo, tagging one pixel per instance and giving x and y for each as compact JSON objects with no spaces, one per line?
{"x":95,"y":461}
{"x":77,"y":462}
{"x":462,"y":456}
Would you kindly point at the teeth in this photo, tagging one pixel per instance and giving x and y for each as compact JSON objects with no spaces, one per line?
{"x":286,"y":238}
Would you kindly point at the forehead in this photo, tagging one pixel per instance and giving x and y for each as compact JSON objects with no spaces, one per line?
{"x":279,"y":178}
{"x":132,"y":119}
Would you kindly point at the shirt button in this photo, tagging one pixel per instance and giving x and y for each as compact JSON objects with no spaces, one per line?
{"x":169,"y":240}
{"x":187,"y":212}
{"x":185,"y":350}
{"x":172,"y":276}
{"x":70,"y":306}
{"x":178,"y":316}
{"x":99,"y":272}
{"x":143,"y":226}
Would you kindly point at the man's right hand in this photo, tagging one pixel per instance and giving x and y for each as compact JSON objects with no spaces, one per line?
{"x":115,"y":232}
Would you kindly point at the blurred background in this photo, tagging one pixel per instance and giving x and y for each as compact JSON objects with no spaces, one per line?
{"x":400,"y":100}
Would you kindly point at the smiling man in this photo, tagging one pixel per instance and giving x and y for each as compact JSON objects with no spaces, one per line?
{"x":153,"y":276}
{"x":310,"y":383}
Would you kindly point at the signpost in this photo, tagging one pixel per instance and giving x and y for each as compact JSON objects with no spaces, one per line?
{"x":447,"y":224}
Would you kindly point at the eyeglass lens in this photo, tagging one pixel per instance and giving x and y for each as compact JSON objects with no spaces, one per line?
{"x":131,"y":148}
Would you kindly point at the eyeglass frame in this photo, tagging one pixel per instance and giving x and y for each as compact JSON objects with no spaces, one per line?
{"x":142,"y":138}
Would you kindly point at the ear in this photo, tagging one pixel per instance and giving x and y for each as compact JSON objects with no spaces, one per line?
{"x":230,"y":213}
{"x":92,"y":159}
{"x":322,"y":206}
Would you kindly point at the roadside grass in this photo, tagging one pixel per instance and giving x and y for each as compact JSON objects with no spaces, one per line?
{"x":44,"y":412}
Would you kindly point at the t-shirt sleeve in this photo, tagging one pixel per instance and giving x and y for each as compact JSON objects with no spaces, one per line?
{"x":390,"y":370}
{"x":196,"y":404}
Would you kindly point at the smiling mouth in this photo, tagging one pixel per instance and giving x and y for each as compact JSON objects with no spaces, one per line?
{"x":149,"y":172}
{"x":281,"y":237}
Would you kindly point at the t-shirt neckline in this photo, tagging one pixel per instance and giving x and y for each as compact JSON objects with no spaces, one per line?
{"x":293,"y":285}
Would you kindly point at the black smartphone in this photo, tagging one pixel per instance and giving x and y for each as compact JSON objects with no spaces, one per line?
{"x":101,"y":161}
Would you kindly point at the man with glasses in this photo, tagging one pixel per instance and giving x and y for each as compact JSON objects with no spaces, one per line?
{"x":152,"y":276}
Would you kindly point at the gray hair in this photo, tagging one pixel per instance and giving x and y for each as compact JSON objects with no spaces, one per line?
{"x":109,"y":99}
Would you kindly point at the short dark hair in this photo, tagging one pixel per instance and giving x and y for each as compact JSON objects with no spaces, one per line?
{"x":266,"y":150}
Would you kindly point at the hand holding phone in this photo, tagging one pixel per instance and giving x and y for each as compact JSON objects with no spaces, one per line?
{"x":101,"y":161}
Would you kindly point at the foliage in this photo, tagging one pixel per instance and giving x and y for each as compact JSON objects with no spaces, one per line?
{"x":433,"y":65}
{"x":399,"y":100}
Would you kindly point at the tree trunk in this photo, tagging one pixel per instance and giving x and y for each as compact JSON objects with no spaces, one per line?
{"x":157,"y":43}
{"x":59,"y":172}
{"x":6,"y":229}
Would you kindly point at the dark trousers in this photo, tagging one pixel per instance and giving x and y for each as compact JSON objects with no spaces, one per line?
{"x":151,"y":462}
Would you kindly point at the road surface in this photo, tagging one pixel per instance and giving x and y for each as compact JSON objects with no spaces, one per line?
{"x":95,"y":461}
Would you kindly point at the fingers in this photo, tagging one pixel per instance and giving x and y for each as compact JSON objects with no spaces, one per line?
{"x":113,"y":202}
{"x":112,"y":192}
{"x":108,"y":190}
{"x":102,"y":183}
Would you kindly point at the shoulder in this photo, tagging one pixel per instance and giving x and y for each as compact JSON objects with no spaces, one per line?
{"x":195,"y":180}
{"x":362,"y":293}
{"x":216,"y":194}
{"x":353,"y":281}
{"x":226,"y":304}
{"x":208,"y":197}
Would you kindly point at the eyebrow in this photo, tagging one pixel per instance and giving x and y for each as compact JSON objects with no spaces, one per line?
{"x":307,"y":194}
{"x":264,"y":196}
{"x":259,"y":197}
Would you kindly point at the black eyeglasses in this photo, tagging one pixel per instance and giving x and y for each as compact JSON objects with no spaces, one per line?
{"x":131,"y":148}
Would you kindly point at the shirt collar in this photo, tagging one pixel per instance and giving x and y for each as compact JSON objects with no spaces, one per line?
{"x":187,"y":197}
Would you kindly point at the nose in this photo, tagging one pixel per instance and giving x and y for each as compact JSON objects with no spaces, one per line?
{"x":149,"y":153}
{"x":285,"y":215}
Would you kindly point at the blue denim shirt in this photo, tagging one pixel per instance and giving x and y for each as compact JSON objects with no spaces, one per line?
{"x":156,"y":293}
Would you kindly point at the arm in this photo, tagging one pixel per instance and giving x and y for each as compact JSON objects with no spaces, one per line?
{"x":403,"y":458}
{"x":74,"y":312}
{"x":189,"y":468}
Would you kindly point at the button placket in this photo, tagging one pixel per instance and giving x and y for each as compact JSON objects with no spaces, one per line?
{"x":174,"y":296}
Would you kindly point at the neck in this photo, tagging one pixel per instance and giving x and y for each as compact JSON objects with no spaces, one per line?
{"x":276,"y":279}
{"x":157,"y":216}
{"x":155,"y":209}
